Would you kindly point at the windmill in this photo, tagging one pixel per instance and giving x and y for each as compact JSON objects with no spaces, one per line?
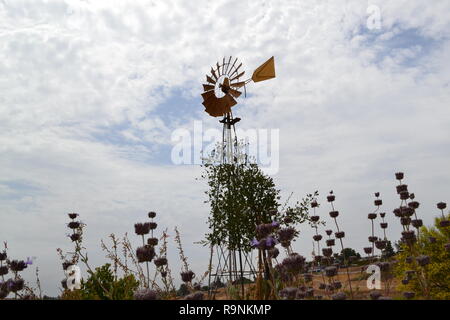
{"x":224,"y":85}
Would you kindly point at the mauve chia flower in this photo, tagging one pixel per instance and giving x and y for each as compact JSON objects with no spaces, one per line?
{"x":3,"y":270}
{"x":432,"y":239}
{"x":286,"y":234}
{"x":263,"y":230}
{"x":423,"y":260}
{"x":337,"y":285}
{"x":315,"y":218}
{"x":289,"y":293}
{"x":153,"y":225}
{"x":404,"y":195}
{"x":405,"y":281}
{"x":72,"y":215}
{"x":273,"y":212}
{"x":417,"y":223}
{"x":294,"y":263}
{"x":375,"y":295}
{"x":317,"y":237}
{"x":399,"y":175}
{"x":187,"y":276}
{"x":327,"y":252}
{"x":372,"y":216}
{"x":195,"y":296}
{"x":330,"y":242}
{"x":409,"y":295}
{"x":382,"y":214}
{"x":273,"y":253}
{"x":162,"y":261}
{"x":373,"y":239}
{"x":380,"y":244}
{"x":16,"y":285}
{"x":151,"y":214}
{"x":329,"y":232}
{"x":441,"y":205}
{"x":145,"y":253}
{"x":378,"y":202}
{"x":142,"y":228}
{"x":398,"y":212}
{"x":334,"y":214}
{"x":3,"y":256}
{"x":300,"y":295}
{"x":145,"y":294}
{"x":339,"y":296}
{"x":340,"y":234}
{"x":314,"y":204}
{"x":368,"y":250}
{"x":73,"y":225}
{"x":275,"y":224}
{"x":409,"y":234}
{"x":152,"y":241}
{"x":270,"y":242}
{"x":413,"y":205}
{"x":444,"y":223}
{"x":17,"y":265}
{"x":407,"y":211}
{"x":330,"y":271}
{"x":383,"y":225}
{"x":318,"y":259}
{"x":331,"y":198}
{"x":402,"y":188}
{"x":75,"y":237}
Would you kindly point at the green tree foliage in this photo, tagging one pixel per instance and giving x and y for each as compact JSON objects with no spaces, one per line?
{"x":388,"y":252}
{"x":120,"y":289}
{"x":240,"y":196}
{"x":347,"y":253}
{"x":437,"y":272}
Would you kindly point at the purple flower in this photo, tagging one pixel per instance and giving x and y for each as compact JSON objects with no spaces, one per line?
{"x":29,"y":261}
{"x":254,"y":243}
{"x":275,"y":224}
{"x":270,"y":242}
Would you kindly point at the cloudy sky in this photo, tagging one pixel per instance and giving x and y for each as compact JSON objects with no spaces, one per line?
{"x":91,"y":92}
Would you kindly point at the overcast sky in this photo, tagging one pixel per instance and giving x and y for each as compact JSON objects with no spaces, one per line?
{"x":91,"y":91}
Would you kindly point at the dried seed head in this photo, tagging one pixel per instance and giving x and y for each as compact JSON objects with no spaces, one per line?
{"x":368,"y":250}
{"x":377,"y":194}
{"x":444,"y":223}
{"x":289,"y":293}
{"x":330,"y":242}
{"x":331,"y":198}
{"x":405,"y":221}
{"x":399,"y":175}
{"x":16,"y":285}
{"x":159,"y":262}
{"x":307,"y":277}
{"x":145,"y":253}
{"x":401,"y":188}
{"x":153,"y":225}
{"x":330,"y":271}
{"x":286,"y":234}
{"x":315,"y":218}
{"x":3,"y":256}
{"x":152,"y":214}
{"x":375,"y":295}
{"x":75,"y":237}
{"x":382,"y":214}
{"x":329,"y":232}
{"x":417,"y":223}
{"x":142,"y":228}
{"x":334,"y":214}
{"x":327,"y":252}
{"x":317,"y":237}
{"x":404,"y":195}
{"x":372,"y":216}
{"x":152,"y":241}
{"x":195,"y":296}
{"x":72,"y":215}
{"x":287,"y":220}
{"x":414,"y":205}
{"x":340,"y":234}
{"x":3,"y":270}
{"x":373,"y":239}
{"x":294,"y":263}
{"x":412,"y":196}
{"x":73,"y":225}
{"x":314,"y":204}
{"x":17,"y":265}
{"x":383,"y":225}
{"x":442,"y":205}
{"x":273,"y":253}
{"x":187,"y":276}
{"x":378,"y":202}
{"x":380,"y":244}
{"x":322,"y":286}
{"x":337,"y":285}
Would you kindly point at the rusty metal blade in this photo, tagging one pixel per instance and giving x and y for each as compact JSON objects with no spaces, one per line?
{"x":238,"y":76}
{"x":207,"y":87}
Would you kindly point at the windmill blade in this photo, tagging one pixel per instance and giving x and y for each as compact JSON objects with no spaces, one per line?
{"x":238,"y":76}
{"x":229,"y":100}
{"x":228,"y":65}
{"x":218,"y":69}
{"x":236,"y":70}
{"x":210,"y":80}
{"x":238,"y":84}
{"x":207,"y":87}
{"x":214,"y":74}
{"x":234,"y":93}
{"x":235,"y":60}
{"x":208,"y":94}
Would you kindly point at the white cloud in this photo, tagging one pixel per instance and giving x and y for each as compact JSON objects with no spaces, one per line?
{"x":350,"y":110}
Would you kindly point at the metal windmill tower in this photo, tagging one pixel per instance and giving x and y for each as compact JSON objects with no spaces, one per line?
{"x":219,"y":96}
